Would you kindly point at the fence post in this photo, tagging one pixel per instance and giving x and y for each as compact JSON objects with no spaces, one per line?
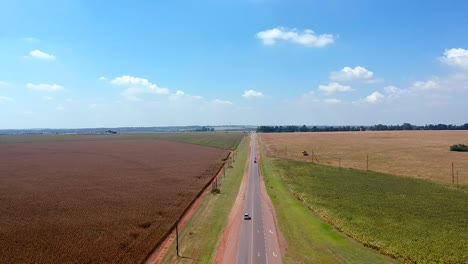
{"x":367,"y":159}
{"x":453,"y":175}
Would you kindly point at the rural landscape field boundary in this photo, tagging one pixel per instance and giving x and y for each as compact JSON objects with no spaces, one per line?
{"x":126,"y":167}
{"x":157,"y":251}
{"x":201,"y":237}
{"x":412,"y":220}
{"x":417,"y":154}
{"x":308,"y":238}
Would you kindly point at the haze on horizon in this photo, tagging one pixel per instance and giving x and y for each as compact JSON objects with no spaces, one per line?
{"x":69,"y":64}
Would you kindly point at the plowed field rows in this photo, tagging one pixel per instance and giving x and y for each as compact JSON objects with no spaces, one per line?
{"x":96,"y":201}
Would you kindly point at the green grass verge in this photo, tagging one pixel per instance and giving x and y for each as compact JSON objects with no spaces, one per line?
{"x":200,"y":236}
{"x":415,"y":221}
{"x":309,"y":239}
{"x":224,"y":140}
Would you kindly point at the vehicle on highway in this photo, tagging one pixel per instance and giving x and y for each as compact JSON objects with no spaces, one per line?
{"x":255,"y":160}
{"x":247,"y":216}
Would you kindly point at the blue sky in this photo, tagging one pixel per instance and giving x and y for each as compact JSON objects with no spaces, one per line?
{"x":66,"y":64}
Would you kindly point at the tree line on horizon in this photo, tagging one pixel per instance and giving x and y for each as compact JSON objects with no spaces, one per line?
{"x":379,"y":127}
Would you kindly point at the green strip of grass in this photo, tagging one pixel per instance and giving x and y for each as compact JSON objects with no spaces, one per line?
{"x":224,"y":140}
{"x":200,"y":236}
{"x":309,"y":239}
{"x":413,"y":220}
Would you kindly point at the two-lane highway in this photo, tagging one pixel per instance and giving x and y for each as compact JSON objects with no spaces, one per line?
{"x":257,"y":242}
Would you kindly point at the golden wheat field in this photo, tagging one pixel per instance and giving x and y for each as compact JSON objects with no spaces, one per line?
{"x":420,"y":154}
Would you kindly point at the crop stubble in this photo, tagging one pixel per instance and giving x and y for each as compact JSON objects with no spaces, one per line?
{"x":419,"y":154}
{"x":95,"y":201}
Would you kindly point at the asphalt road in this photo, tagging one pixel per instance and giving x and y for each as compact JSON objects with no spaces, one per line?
{"x":257,"y":241}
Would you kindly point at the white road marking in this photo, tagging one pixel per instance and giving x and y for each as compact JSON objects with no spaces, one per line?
{"x":270,"y":231}
{"x":274,"y":255}
{"x":258,"y":254}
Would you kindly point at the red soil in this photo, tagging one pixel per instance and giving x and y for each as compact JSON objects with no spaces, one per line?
{"x":99,"y":201}
{"x":231,"y":233}
{"x":161,"y":250}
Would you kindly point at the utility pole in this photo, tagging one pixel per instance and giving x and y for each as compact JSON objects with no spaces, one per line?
{"x":177,"y":236}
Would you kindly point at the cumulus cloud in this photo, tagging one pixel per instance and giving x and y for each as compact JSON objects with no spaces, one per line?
{"x":426,"y":86}
{"x":306,"y":38}
{"x":102,"y":78}
{"x":374,"y":98}
{"x":391,"y":89}
{"x":41,"y":55}
{"x":44,"y":87}
{"x":332,"y":101}
{"x":222,"y":102}
{"x":180,"y":94}
{"x":334,"y":87}
{"x":252,"y":94}
{"x":137,"y":86}
{"x":350,"y":74}
{"x":5,"y":99}
{"x":456,"y":58}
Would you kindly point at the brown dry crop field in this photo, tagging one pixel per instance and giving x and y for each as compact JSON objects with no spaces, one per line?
{"x":96,"y":201}
{"x":419,"y":154}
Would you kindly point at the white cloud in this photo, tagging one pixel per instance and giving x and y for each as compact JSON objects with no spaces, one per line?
{"x":222,"y":102}
{"x":456,"y":58}
{"x":102,"y":78}
{"x":391,"y":89}
{"x":252,"y":94}
{"x":306,"y":38}
{"x":41,"y":55}
{"x":137,"y":86}
{"x":2,"y":84}
{"x":5,"y":99}
{"x":350,"y":74}
{"x":393,"y":92}
{"x":180,"y":94}
{"x":426,"y":86}
{"x":334,"y":87}
{"x":44,"y":87}
{"x":332,"y":101}
{"x":374,"y":98}
{"x":47,"y":98}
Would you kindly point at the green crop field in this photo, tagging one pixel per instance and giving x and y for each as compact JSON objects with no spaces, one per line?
{"x":224,"y":140}
{"x":415,"y":221}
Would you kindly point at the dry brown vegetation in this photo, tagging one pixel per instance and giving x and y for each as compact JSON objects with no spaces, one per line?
{"x":420,"y":154}
{"x":96,"y":201}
